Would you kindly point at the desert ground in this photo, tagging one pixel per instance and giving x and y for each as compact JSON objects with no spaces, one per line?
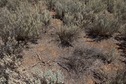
{"x":62,"y":42}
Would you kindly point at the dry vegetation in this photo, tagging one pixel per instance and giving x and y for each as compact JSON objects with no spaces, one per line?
{"x":24,"y":21}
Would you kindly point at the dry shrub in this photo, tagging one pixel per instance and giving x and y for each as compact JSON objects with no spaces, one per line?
{"x":111,"y":6}
{"x":22,"y":22}
{"x":67,"y":34}
{"x":3,"y":3}
{"x":120,"y":78}
{"x":83,"y":59}
{"x":50,"y":4}
{"x":121,"y":11}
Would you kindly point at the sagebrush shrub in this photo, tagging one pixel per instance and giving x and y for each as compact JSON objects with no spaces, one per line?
{"x":3,"y":3}
{"x":46,"y":17}
{"x":121,"y":11}
{"x":96,"y":5}
{"x":75,"y":12}
{"x":13,"y":4}
{"x":111,"y":6}
{"x":102,"y":26}
{"x":23,"y":23}
{"x":54,"y":78}
{"x":50,"y":4}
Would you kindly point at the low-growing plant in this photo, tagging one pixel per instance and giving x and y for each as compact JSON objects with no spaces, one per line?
{"x":120,"y":78}
{"x":74,"y":12}
{"x":3,"y":3}
{"x":46,"y":17}
{"x":123,"y":31}
{"x":33,"y":1}
{"x":121,"y":11}
{"x":13,"y":4}
{"x":102,"y":26}
{"x":111,"y":6}
{"x":96,"y":6}
{"x":48,"y":77}
{"x":67,"y":34}
{"x":83,"y":58}
{"x":50,"y":4}
{"x":54,"y":78}
{"x":24,"y":23}
{"x":80,"y":19}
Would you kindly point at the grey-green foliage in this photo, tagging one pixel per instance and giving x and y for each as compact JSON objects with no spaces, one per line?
{"x":23,"y":22}
{"x":64,"y":7}
{"x":103,"y":25}
{"x":75,"y":12}
{"x":111,"y":6}
{"x":3,"y":3}
{"x":72,"y":12}
{"x":12,"y":5}
{"x":54,"y":78}
{"x":90,"y":14}
{"x":96,"y":5}
{"x":121,"y":11}
{"x":49,"y":77}
{"x":50,"y":4}
{"x":46,"y":17}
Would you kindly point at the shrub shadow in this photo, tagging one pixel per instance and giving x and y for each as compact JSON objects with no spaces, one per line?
{"x":121,"y":46}
{"x":97,"y":38}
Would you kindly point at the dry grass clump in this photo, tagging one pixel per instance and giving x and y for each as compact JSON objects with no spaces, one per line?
{"x":22,"y":22}
{"x":67,"y":34}
{"x":120,"y":78}
{"x":82,"y":60}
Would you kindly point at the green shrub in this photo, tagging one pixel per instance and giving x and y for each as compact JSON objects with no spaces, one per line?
{"x":65,"y":7}
{"x":23,"y":23}
{"x":54,"y":78}
{"x":48,"y":77}
{"x":96,"y":5}
{"x":102,"y":26}
{"x":46,"y":17}
{"x":80,"y":19}
{"x":74,"y":12}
